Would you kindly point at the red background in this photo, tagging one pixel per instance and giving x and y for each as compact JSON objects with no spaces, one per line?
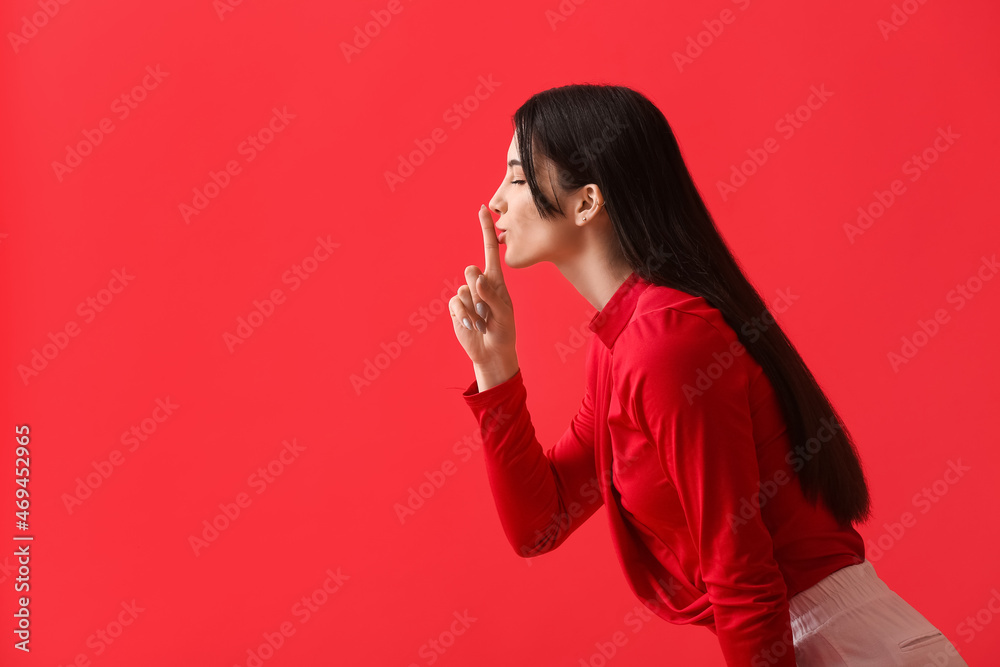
{"x":402,"y":250}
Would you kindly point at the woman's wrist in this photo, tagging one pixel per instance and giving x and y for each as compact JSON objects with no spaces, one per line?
{"x":490,"y":375}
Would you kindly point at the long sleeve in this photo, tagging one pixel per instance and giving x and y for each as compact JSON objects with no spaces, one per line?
{"x":706,"y":448}
{"x":541,"y":497}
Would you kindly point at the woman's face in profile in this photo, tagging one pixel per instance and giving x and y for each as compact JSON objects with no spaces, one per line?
{"x":529,"y":238}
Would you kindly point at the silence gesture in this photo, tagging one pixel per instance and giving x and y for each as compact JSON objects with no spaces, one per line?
{"x":482,"y":312}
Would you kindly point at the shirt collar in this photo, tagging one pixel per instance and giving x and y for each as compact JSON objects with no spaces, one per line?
{"x":610,"y":321}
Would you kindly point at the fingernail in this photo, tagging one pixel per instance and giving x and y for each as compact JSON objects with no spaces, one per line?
{"x":468,"y":325}
{"x":481,"y":326}
{"x":481,"y":309}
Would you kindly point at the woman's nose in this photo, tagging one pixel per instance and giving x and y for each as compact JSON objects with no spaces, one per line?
{"x":495,"y":203}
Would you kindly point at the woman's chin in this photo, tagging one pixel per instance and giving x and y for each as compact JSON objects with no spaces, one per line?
{"x":514,"y":261}
{"x":510,"y":259}
{"x":513,"y":258}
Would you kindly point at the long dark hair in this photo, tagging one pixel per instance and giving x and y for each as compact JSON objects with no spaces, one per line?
{"x":618,"y":139}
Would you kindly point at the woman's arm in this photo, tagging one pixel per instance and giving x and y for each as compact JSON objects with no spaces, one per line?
{"x":541,"y":497}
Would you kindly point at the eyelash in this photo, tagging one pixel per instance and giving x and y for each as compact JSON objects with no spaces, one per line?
{"x":519,"y":181}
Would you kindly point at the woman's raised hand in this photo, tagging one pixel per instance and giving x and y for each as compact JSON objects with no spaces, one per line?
{"x":482,"y":312}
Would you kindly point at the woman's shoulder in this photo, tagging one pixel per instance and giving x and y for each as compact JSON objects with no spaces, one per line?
{"x":682,"y":332}
{"x":670,"y":314}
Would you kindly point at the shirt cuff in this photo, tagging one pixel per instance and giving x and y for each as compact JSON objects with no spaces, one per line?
{"x":475,"y":398}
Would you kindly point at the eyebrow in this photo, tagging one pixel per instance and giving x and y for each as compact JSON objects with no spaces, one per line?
{"x":513,"y":163}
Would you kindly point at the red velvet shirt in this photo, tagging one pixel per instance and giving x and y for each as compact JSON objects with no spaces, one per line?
{"x":680,"y":435}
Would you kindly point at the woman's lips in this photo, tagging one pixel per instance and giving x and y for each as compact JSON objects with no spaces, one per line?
{"x":500,"y":237}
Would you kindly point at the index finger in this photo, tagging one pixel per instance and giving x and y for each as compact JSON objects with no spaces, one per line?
{"x":491,"y":245}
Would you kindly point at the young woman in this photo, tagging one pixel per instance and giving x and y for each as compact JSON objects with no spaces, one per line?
{"x":731,"y":485}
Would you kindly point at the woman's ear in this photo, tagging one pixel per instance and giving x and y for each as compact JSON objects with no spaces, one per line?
{"x":591,"y":203}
